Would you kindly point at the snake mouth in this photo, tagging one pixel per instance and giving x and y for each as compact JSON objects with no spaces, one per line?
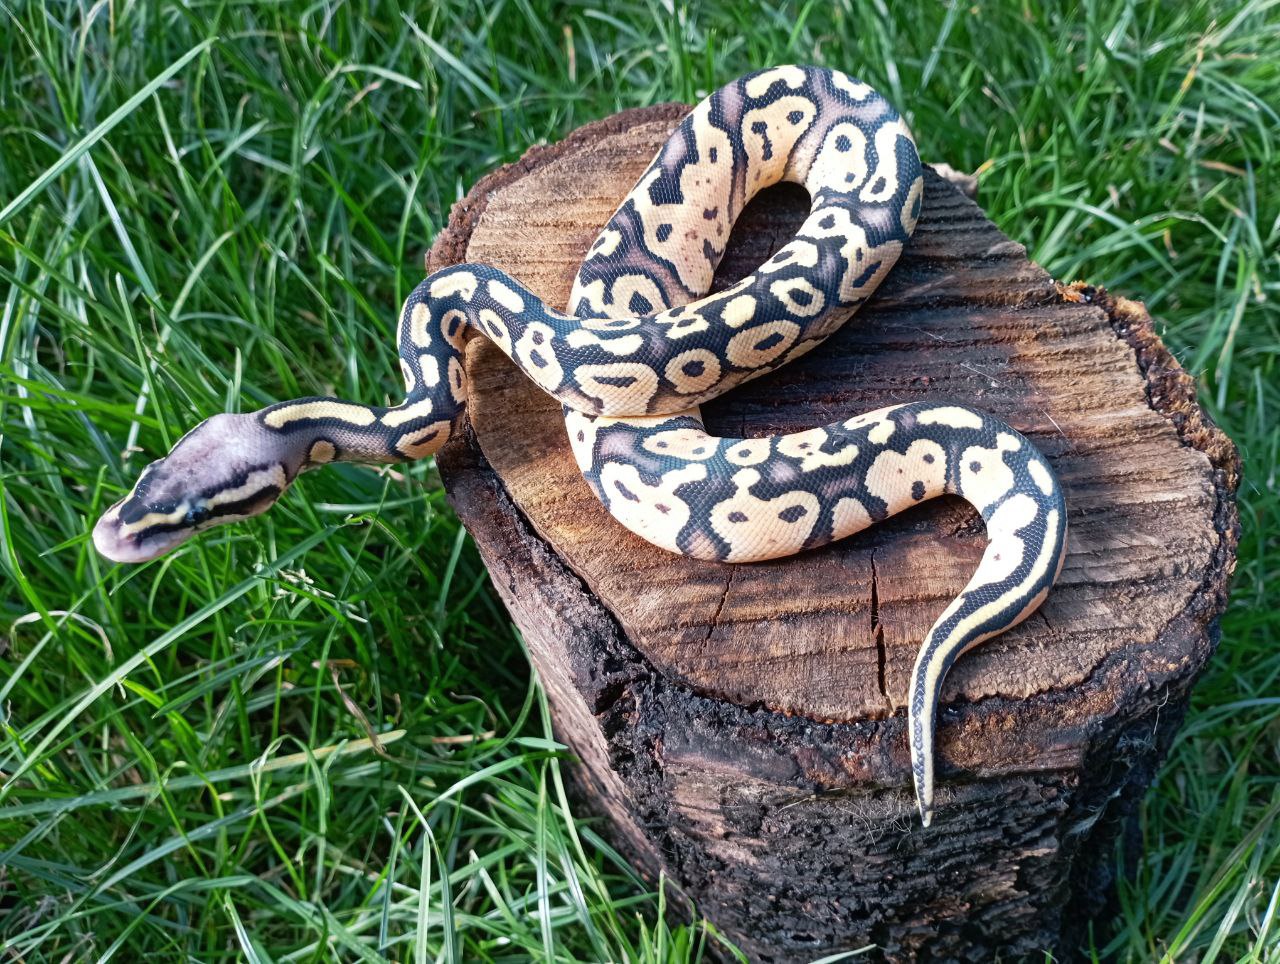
{"x":112,"y":544}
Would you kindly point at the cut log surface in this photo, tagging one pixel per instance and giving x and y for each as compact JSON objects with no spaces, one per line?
{"x":743,"y":726}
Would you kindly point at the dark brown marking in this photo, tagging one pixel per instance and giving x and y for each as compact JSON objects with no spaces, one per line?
{"x":793,"y":512}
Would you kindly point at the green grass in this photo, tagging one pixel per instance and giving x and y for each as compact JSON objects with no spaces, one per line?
{"x":210,"y":205}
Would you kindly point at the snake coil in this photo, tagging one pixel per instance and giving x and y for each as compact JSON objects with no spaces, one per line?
{"x":644,"y":344}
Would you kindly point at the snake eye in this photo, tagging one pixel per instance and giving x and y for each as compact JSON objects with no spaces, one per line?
{"x":197,"y":515}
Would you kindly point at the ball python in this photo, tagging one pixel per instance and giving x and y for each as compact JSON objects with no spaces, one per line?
{"x":643,"y":344}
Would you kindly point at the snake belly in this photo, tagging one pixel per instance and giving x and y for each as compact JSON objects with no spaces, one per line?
{"x":644,"y":344}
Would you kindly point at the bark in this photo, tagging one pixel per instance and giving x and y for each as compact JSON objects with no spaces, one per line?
{"x":743,"y":727}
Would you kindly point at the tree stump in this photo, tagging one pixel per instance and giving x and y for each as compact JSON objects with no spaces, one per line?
{"x":743,"y":726}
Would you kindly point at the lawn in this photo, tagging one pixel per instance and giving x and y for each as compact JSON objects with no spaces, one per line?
{"x":317,"y":735}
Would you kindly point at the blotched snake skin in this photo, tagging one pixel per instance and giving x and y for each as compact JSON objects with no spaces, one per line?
{"x":643,"y":346}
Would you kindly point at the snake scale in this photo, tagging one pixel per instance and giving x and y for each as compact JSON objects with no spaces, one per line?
{"x":643,"y":344}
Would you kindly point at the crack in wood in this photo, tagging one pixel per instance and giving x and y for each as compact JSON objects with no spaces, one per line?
{"x":877,"y":633}
{"x":1048,"y":625}
{"x":714,"y":624}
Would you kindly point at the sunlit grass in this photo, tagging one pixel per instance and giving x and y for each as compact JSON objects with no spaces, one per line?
{"x":317,"y":735}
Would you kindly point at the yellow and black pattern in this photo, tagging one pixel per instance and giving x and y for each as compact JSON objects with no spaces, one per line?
{"x":644,"y":345}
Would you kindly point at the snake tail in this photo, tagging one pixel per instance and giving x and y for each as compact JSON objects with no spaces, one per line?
{"x":1003,"y":475}
{"x":750,"y":499}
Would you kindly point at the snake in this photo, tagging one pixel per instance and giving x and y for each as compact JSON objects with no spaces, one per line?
{"x":643,"y":344}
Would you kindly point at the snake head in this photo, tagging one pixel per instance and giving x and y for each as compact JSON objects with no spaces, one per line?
{"x":225,"y":469}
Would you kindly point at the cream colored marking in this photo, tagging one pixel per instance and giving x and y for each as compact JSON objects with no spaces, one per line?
{"x":154,"y":519}
{"x":506,"y":296}
{"x":785,"y":290}
{"x":495,"y":328}
{"x":991,"y":480}
{"x":789,"y":74}
{"x":1013,"y":550}
{"x":622,"y":345}
{"x":683,"y":325}
{"x":856,"y":91}
{"x":690,"y":384}
{"x":582,"y":431}
{"x":643,"y":517}
{"x":407,"y":413}
{"x":606,"y":244}
{"x":882,"y":432}
{"x":689,"y":444}
{"x":797,"y":253}
{"x":892,"y":476}
{"x":1040,"y":476}
{"x":457,"y":380}
{"x":849,"y":516}
{"x":410,"y":379}
{"x":592,"y":295}
{"x":749,"y":451}
{"x":430,"y":366}
{"x":952,"y":416}
{"x":1011,"y":516}
{"x":632,"y":399}
{"x":322,"y":452}
{"x":347,"y":412}
{"x":886,"y":171}
{"x":836,"y":170}
{"x":781,"y":136}
{"x":855,"y":250}
{"x":742,"y":350}
{"x":882,"y":426}
{"x":618,"y":303}
{"x":998,"y":531}
{"x":910,"y":213}
{"x":832,"y":221}
{"x":739,"y":311}
{"x":459,"y":337}
{"x":754,"y":528}
{"x":422,"y":442}
{"x":683,"y":227}
{"x":254,"y":483}
{"x":806,"y":448}
{"x":537,"y":340}
{"x":856,"y":283}
{"x":459,"y":283}
{"x":418,"y":322}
